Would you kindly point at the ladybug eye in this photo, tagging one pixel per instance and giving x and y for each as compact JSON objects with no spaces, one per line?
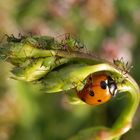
{"x":103,"y":84}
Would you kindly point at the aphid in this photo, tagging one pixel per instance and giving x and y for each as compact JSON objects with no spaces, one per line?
{"x":98,"y":89}
{"x":122,"y":66}
{"x":68,"y":43}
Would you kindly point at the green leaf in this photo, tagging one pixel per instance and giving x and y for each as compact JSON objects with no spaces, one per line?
{"x":62,"y":66}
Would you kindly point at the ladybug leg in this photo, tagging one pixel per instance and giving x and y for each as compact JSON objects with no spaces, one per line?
{"x":90,"y":80}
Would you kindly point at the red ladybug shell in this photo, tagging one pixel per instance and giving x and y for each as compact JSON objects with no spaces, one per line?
{"x":98,"y":89}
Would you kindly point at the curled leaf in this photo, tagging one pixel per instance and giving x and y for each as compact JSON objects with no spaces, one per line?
{"x":64,"y":66}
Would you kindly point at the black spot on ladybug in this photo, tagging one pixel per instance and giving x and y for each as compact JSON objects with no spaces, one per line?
{"x":91,"y":93}
{"x":103,"y":84}
{"x":99,"y":100}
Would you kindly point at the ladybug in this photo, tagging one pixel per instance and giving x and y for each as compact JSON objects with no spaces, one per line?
{"x":98,"y":89}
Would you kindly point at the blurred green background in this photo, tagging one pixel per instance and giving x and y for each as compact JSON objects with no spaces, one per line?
{"x":110,"y":28}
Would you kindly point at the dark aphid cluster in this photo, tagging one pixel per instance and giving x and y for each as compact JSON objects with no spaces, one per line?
{"x":46,"y":42}
{"x":14,"y":39}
